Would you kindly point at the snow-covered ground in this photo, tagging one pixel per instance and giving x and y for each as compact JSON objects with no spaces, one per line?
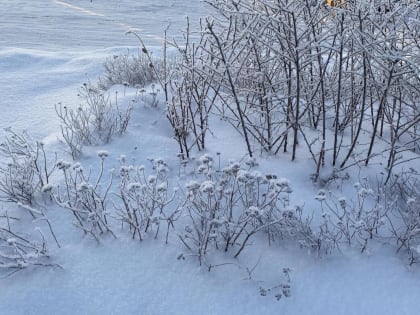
{"x":48,"y":48}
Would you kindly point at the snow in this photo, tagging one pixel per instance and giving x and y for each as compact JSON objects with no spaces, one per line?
{"x":48,"y":48}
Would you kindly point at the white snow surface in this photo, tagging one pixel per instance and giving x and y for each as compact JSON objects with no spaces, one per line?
{"x":48,"y":48}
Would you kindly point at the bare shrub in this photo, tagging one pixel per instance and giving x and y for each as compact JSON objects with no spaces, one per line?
{"x":403,"y":193}
{"x":146,"y":200}
{"x":283,"y":68}
{"x":355,"y":221}
{"x":86,"y":199}
{"x":25,"y":169}
{"x":134,"y":70}
{"x":192,"y":96}
{"x":20,"y":251}
{"x":226,"y":209}
{"x":94,"y":123}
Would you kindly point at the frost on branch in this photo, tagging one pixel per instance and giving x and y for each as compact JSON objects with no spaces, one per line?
{"x":146,"y":199}
{"x":225,"y":209}
{"x":19,"y":251}
{"x":95,"y":122}
{"x":87,"y":199}
{"x":129,"y":69}
{"x":24,"y":170}
{"x":403,"y":193}
{"x":303,"y":76}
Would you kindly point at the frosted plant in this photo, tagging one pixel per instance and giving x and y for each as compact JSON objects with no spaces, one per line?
{"x":87,"y":199}
{"x":19,"y":251}
{"x":314,"y":87}
{"x":132,"y":69}
{"x":25,"y":168}
{"x":403,"y":197}
{"x":95,"y":122}
{"x":147,"y":201}
{"x":356,"y":220}
{"x":226,"y":209}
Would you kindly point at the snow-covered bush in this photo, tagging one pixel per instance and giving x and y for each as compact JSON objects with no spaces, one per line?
{"x":288,"y":73}
{"x":146,"y":199}
{"x":86,"y":199}
{"x":94,"y":123}
{"x":403,"y":193}
{"x":226,"y":208}
{"x":134,"y":70}
{"x":25,"y":168}
{"x":354,"y":221}
{"x":192,"y":97}
{"x":19,"y":251}
{"x":159,"y":67}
